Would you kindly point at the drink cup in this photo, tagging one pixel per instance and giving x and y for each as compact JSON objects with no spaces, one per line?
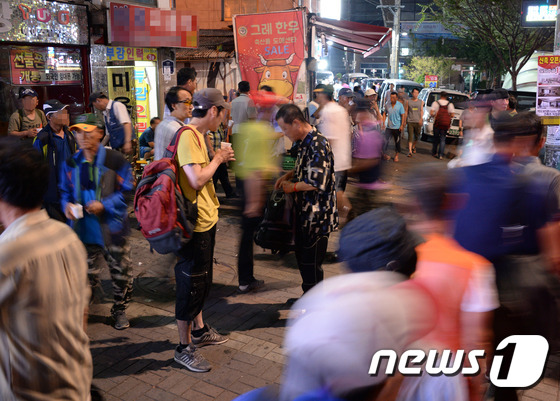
{"x":77,"y":211}
{"x":225,"y":145}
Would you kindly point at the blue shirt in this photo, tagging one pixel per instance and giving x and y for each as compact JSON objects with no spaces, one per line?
{"x":394,"y":119}
{"x":147,"y":137}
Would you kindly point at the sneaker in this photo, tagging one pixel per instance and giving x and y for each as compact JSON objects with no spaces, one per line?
{"x":210,"y":337}
{"x":252,"y":286}
{"x":191,"y":359}
{"x":121,"y":322}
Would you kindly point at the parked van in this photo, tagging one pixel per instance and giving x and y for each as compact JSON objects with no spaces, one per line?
{"x":399,"y":83}
{"x":431,"y":95}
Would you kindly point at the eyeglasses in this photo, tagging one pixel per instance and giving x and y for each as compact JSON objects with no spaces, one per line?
{"x":186,"y":101}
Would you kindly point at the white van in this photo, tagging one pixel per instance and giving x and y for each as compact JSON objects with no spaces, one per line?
{"x":399,"y":83}
{"x":429,"y":96}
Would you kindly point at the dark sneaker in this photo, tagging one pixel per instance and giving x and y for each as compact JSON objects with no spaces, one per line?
{"x":211,"y":337}
{"x":253,"y":286}
{"x":121,"y":322}
{"x":191,"y":359}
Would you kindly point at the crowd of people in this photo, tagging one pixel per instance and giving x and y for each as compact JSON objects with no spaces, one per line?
{"x":477,"y":263}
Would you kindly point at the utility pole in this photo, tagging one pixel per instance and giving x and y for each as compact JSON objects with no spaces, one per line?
{"x":396,"y":11}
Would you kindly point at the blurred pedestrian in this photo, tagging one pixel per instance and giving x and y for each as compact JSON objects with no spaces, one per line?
{"x":44,"y":292}
{"x":147,"y":139}
{"x":371,"y":96}
{"x":214,"y":142}
{"x":313,"y":184}
{"x":57,"y":144}
{"x":499,"y":100}
{"x":96,"y":189}
{"x":26,"y":122}
{"x":118,"y":126}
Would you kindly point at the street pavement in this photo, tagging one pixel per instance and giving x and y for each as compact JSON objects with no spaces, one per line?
{"x":137,"y":363}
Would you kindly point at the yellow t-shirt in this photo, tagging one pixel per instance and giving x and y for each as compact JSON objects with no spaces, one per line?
{"x":191,"y":151}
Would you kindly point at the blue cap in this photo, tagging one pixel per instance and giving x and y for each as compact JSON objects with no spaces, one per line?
{"x":28,"y":92}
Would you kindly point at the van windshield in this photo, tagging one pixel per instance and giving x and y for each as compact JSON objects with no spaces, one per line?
{"x":458,"y":101}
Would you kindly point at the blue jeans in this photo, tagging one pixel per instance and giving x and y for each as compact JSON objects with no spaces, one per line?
{"x":439,"y":139}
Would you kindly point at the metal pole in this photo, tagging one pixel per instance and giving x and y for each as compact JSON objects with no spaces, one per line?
{"x":396,"y":38}
{"x":552,"y":152}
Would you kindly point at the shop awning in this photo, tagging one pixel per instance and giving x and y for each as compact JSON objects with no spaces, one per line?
{"x":364,"y":38}
{"x":213,"y":44}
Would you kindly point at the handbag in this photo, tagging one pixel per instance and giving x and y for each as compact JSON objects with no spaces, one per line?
{"x":277,"y":231}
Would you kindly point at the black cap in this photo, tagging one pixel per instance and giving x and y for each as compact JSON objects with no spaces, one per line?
{"x":206,"y":98}
{"x":28,"y":92}
{"x":499,"y":93}
{"x":53,"y":106}
{"x":346,"y":92}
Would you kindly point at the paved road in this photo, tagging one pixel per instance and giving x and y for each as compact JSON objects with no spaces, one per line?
{"x":137,"y":363}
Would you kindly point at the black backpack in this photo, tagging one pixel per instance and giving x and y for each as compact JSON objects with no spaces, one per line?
{"x":277,"y":230}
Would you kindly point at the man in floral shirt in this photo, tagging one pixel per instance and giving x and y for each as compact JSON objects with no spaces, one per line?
{"x":313,"y":185}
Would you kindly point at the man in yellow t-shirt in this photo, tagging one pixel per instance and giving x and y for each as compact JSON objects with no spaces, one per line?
{"x":193,"y":272}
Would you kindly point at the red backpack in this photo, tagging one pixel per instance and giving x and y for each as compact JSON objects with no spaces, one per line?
{"x":443,"y":118}
{"x":166,"y":217}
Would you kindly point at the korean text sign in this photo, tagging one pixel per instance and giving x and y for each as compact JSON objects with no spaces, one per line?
{"x":119,"y":53}
{"x":42,"y":66}
{"x":152,"y":27}
{"x":270,"y":49}
{"x":43,"y":22}
{"x":548,"y":86}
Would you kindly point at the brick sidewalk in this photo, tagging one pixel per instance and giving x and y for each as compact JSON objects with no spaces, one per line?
{"x":137,"y":363}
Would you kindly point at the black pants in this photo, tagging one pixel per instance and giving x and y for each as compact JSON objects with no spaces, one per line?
{"x":245,"y":256}
{"x":221,"y":174}
{"x":310,"y":253}
{"x":396,"y":134}
{"x":193,"y":274}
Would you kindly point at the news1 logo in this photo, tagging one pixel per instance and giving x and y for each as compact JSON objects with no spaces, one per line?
{"x":518,"y":362}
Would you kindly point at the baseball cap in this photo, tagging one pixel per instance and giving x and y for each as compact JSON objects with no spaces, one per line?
{"x":28,"y":92}
{"x":322,"y":88}
{"x":206,"y":98}
{"x":379,"y":240}
{"x":346,"y":92}
{"x":369,"y":92}
{"x":87,"y":122}
{"x":96,"y":95}
{"x":53,"y":106}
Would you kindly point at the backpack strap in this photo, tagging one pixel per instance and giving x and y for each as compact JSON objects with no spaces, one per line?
{"x":172,"y":148}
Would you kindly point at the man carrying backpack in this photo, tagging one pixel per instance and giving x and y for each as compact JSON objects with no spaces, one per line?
{"x":117,"y":121}
{"x":193,"y":272}
{"x":443,"y":111}
{"x":27,"y":121}
{"x":57,"y":144}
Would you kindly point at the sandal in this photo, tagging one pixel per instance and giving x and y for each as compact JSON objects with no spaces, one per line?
{"x":413,"y":150}
{"x":409,"y":154}
{"x":396,"y":159}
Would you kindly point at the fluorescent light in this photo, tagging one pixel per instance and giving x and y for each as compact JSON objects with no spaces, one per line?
{"x":330,"y":9}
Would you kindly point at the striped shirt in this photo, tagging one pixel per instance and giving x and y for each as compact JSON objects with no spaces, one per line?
{"x":44,"y":290}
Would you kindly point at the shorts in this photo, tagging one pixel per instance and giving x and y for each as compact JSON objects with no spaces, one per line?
{"x":413,"y":132}
{"x":340,"y":180}
{"x":193,"y":274}
{"x":144,"y":150}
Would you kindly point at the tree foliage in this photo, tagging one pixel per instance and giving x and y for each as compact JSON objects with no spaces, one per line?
{"x":496,"y":26}
{"x":418,"y":67}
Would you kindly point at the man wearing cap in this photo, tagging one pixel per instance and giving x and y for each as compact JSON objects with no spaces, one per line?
{"x":193,"y":272}
{"x":96,"y":188}
{"x":27,"y":121}
{"x":371,"y":96}
{"x":117,"y":121}
{"x":335,"y":125}
{"x":57,"y":144}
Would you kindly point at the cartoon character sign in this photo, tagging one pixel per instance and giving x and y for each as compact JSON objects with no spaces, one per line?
{"x":270,"y":49}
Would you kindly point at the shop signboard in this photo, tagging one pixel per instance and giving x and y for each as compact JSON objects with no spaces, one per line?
{"x":45,"y":66}
{"x":151,"y":27}
{"x":548,"y":86}
{"x":121,"y":88}
{"x":430,"y":81}
{"x":142,"y":97}
{"x":270,"y":49}
{"x":42,"y":21}
{"x":120,"y":53}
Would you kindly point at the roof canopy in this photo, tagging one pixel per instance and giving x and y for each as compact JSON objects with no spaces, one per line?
{"x":364,"y":38}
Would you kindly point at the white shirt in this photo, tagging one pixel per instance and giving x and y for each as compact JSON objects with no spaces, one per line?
{"x":334,"y":124}
{"x":443,"y":102}
{"x":165,"y":131}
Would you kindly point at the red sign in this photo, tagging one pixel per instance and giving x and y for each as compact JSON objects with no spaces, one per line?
{"x":40,"y":66}
{"x":270,"y":49}
{"x":152,"y":27}
{"x":549,"y":62}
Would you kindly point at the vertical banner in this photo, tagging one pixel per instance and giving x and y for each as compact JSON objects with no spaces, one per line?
{"x":430,"y":81}
{"x":121,"y":88}
{"x":548,"y":86}
{"x":142,"y":97}
{"x":270,"y":49}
